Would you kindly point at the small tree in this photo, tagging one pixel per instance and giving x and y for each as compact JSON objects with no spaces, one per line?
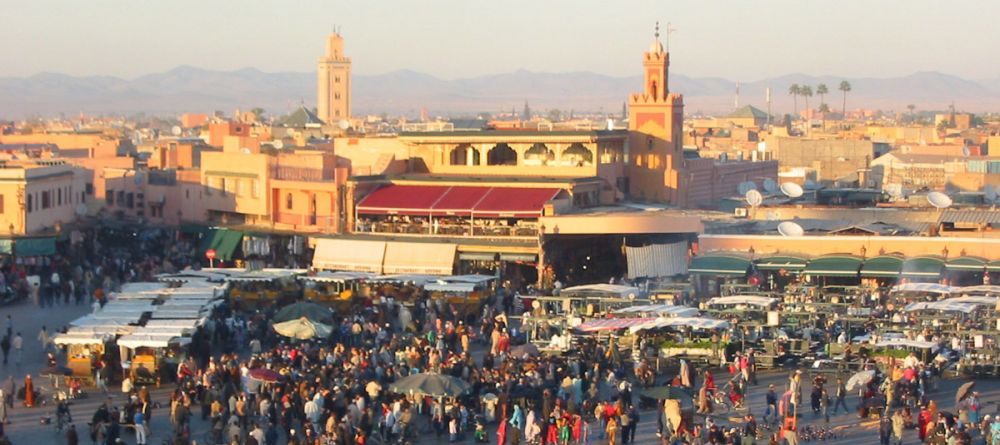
{"x":845,"y":87}
{"x":807,"y":92}
{"x":555,"y":115}
{"x":795,"y":90}
{"x":822,"y":91}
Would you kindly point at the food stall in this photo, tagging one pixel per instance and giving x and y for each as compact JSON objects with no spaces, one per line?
{"x":340,"y":289}
{"x":467,"y":293}
{"x":148,"y":354}
{"x":84,"y":347}
{"x":264,"y":287}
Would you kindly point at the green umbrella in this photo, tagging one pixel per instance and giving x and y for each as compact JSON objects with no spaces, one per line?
{"x":302,"y":329}
{"x":667,"y":392}
{"x":431,"y":384}
{"x":310,"y":310}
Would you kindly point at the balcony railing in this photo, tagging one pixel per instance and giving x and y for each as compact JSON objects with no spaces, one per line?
{"x":306,"y":221}
{"x":450,"y":230}
{"x":301,"y":174}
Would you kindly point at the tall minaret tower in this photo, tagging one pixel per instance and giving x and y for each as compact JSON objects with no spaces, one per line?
{"x":656,"y":116}
{"x":333,"y":86}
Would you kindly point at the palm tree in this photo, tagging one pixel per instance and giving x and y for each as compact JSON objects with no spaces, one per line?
{"x":795,"y":90}
{"x":822,"y":91}
{"x":807,"y":92}
{"x":845,"y":86}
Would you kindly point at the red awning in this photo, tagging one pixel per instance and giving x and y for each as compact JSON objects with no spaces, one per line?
{"x":422,"y":200}
{"x":401,"y":200}
{"x":516,"y":202}
{"x":459,"y":201}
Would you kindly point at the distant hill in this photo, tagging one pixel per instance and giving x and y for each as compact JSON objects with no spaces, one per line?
{"x":190,"y":89}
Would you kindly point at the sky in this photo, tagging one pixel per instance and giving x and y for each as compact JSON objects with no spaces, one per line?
{"x":733,"y":39}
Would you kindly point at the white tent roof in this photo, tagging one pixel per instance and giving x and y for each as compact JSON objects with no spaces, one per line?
{"x":614,"y":290}
{"x":744,"y":300}
{"x":692,"y":322}
{"x":337,"y":277}
{"x":931,"y":288}
{"x":142,"y":287}
{"x":151,"y":341}
{"x":81,"y":338}
{"x":175,"y":323}
{"x":904,"y":343}
{"x":663,"y":310}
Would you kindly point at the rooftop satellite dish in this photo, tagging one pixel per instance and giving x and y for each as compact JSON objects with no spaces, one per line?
{"x":809,"y":184}
{"x":789,"y":228}
{"x":175,"y":130}
{"x":344,"y":124}
{"x":81,"y":209}
{"x":745,"y":187}
{"x":939,"y":200}
{"x":278,"y":145}
{"x":138,"y":178}
{"x":990,"y":193}
{"x":245,"y":150}
{"x":770,"y":186}
{"x":965,"y":151}
{"x":791,"y":189}
{"x":754,"y":198}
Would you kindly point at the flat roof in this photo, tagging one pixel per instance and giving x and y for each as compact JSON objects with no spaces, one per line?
{"x":497,"y":180}
{"x":520,"y":133}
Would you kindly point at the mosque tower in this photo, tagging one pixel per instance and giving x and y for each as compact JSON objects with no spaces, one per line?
{"x":333,"y":86}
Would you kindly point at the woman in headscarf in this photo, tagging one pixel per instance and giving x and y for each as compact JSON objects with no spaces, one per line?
{"x":29,"y":392}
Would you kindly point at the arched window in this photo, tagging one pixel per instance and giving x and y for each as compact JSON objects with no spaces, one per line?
{"x":501,"y":154}
{"x":577,"y":156}
{"x":288,"y":201}
{"x":464,"y":154}
{"x":538,"y":154}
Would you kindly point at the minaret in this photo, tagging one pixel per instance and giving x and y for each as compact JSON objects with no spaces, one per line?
{"x":656,"y":117}
{"x":333,"y":86}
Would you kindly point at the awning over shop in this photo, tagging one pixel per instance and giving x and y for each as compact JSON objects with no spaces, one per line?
{"x":35,"y":246}
{"x":925,"y":267}
{"x":6,"y":247}
{"x":715,"y":264}
{"x":523,"y":257}
{"x":882,"y":266}
{"x":966,"y":263}
{"x":224,"y":241}
{"x":657,"y":260}
{"x":834,"y":266}
{"x":349,"y":255}
{"x":779,"y":262}
{"x":419,"y":258}
{"x":486,"y":202}
{"x":993,"y":266}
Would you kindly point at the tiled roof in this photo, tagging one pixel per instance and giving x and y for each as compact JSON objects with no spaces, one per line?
{"x":970,"y":216}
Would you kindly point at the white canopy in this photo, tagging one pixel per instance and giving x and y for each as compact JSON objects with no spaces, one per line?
{"x":175,"y":323}
{"x":943,"y":306}
{"x":264,"y":275}
{"x":337,"y":277}
{"x":692,"y":322}
{"x":981,"y":289}
{"x":81,"y":338}
{"x":743,"y":300}
{"x":931,"y":288}
{"x":142,"y":287}
{"x":904,"y":343}
{"x":610,"y":290}
{"x":132,"y":296}
{"x":152,"y":341}
{"x":405,"y":278}
{"x":171,"y":314}
{"x":663,"y":310}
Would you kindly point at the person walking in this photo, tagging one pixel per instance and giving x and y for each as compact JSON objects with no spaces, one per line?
{"x":612,"y":430}
{"x":898,"y":427}
{"x":771,"y":406}
{"x":71,"y":437}
{"x":140,"y":427}
{"x":5,"y":347}
{"x":18,"y":345}
{"x":841,"y":395}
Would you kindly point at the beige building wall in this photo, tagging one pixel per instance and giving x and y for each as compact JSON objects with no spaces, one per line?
{"x":37,"y":198}
{"x":853,"y":245}
{"x":235,"y":183}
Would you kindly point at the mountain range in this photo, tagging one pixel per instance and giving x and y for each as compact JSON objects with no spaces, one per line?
{"x":191,"y":89}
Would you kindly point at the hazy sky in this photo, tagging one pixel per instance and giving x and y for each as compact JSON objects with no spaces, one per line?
{"x":735,"y":39}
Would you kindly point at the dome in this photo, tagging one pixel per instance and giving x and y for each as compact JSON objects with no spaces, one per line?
{"x":656,"y":47}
